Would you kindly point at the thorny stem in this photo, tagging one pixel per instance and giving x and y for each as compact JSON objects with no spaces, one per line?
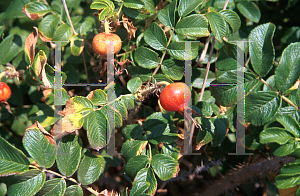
{"x":209,"y":59}
{"x":68,"y":15}
{"x":67,"y":178}
{"x":164,"y":54}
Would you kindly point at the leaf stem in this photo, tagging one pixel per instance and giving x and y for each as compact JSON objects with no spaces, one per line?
{"x":164,"y":54}
{"x":68,"y":15}
{"x":67,"y":178}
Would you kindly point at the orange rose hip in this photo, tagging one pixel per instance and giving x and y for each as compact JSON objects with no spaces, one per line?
{"x":100,"y":43}
{"x":5,"y":92}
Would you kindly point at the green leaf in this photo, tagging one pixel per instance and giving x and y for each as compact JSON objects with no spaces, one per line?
{"x":274,"y":134}
{"x":98,"y":97}
{"x":219,"y":132}
{"x":261,"y":48}
{"x":146,"y":57}
{"x":81,"y":104}
{"x":68,"y":154}
{"x":90,"y":168}
{"x":132,"y":131}
{"x":217,"y":25}
{"x":170,"y":68}
{"x":12,"y":160}
{"x":177,"y":50}
{"x":286,"y":149}
{"x":187,"y":6}
{"x":39,"y":148}
{"x":226,"y":62}
{"x":63,"y":33}
{"x":289,"y":176}
{"x":86,"y":26}
{"x":155,"y":37}
{"x":104,"y":13}
{"x":164,"y":166}
{"x":135,"y":13}
{"x":120,"y":106}
{"x":166,"y":139}
{"x":232,"y":18}
{"x":224,"y":88}
{"x":48,"y":26}
{"x":156,"y":119}
{"x":111,"y":114}
{"x":99,"y":5}
{"x":95,"y":124}
{"x":149,"y":5}
{"x":167,"y":15}
{"x":249,"y":10}
{"x":76,"y":45}
{"x":27,"y":183}
{"x":205,"y":136}
{"x":138,"y":188}
{"x":261,"y":106}
{"x":147,"y":175}
{"x":38,"y":8}
{"x":14,"y":9}
{"x":133,"y":148}
{"x":12,"y":45}
{"x":129,"y":101}
{"x":137,"y":71}
{"x":56,"y":186}
{"x":288,"y":70}
{"x":135,"y":4}
{"x":134,"y":84}
{"x":198,"y":75}
{"x":195,"y":25}
{"x":290,"y":124}
{"x":135,"y":164}
{"x":74,"y":190}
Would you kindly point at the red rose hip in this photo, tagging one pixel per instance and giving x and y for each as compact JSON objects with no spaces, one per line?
{"x":175,"y":96}
{"x":5,"y":92}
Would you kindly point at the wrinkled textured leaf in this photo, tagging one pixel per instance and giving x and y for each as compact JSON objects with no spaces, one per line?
{"x":68,"y":154}
{"x":261,"y":48}
{"x":164,"y":166}
{"x":12,"y":160}
{"x":195,"y":25}
{"x":27,"y":183}
{"x":187,"y":6}
{"x":155,"y":37}
{"x":90,"y":168}
{"x":135,"y":164}
{"x":261,"y":106}
{"x":39,"y":148}
{"x":288,"y":70}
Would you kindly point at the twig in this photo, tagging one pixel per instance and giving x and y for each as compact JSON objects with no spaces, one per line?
{"x":202,"y":57}
{"x":68,"y":15}
{"x":207,"y":68}
{"x":67,"y":178}
{"x":86,"y":72}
